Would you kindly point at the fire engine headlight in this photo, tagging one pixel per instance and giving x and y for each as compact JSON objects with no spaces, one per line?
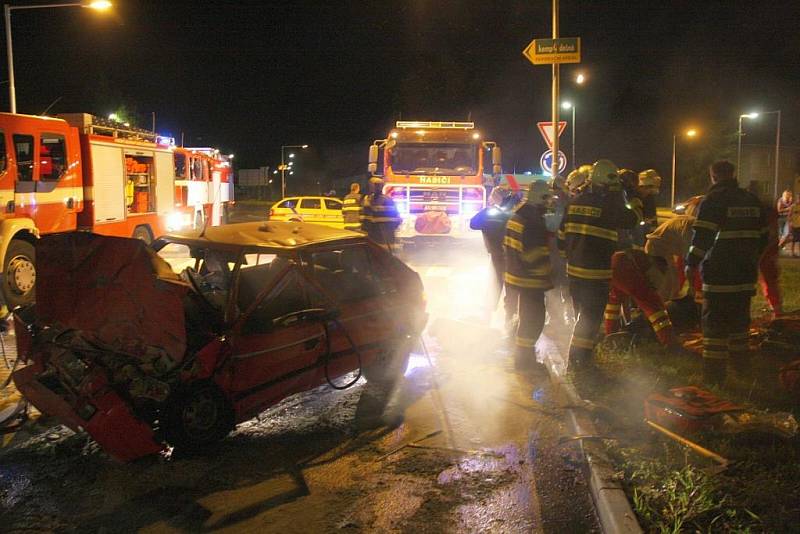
{"x":175,"y":221}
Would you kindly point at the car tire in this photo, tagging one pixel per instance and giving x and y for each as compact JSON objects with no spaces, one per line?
{"x":198,"y":416}
{"x":142,"y":233}
{"x":19,"y":274}
{"x":388,"y":368}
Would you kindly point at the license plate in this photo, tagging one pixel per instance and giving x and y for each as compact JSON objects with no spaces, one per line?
{"x":429,"y":207}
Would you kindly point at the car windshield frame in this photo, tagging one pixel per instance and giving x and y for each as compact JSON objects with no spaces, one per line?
{"x":421,"y":158}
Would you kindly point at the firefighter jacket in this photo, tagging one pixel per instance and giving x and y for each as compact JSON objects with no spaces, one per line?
{"x":589,"y":232}
{"x":380,"y":218}
{"x":649,"y":210}
{"x":351,"y":211}
{"x":491,"y":221}
{"x":730,"y":234}
{"x":527,"y":254}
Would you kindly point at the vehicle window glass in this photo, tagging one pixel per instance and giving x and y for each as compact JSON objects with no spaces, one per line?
{"x":197,"y":169}
{"x":288,"y":204}
{"x":310,"y":204}
{"x":177,"y":255}
{"x":23,"y":147}
{"x":52,"y":157}
{"x":2,"y":152}
{"x":289,"y":296}
{"x":349,"y":273}
{"x":180,"y":166}
{"x":333,"y":204}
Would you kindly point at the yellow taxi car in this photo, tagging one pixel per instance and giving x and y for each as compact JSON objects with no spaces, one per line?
{"x":319,"y":210}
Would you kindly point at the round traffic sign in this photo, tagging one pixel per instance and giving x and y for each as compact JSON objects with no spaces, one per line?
{"x":546,"y":161}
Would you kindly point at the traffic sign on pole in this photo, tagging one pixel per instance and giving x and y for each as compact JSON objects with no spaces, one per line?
{"x":546,"y":129}
{"x":550,"y":51}
{"x":546,"y":161}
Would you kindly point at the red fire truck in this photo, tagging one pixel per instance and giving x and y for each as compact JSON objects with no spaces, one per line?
{"x":81,"y":172}
{"x":434,"y":171}
{"x":203,"y":188}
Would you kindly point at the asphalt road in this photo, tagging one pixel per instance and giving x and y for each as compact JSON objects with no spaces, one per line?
{"x":491,"y":462}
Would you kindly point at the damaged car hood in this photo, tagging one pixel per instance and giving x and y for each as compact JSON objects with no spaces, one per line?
{"x":115,"y":290}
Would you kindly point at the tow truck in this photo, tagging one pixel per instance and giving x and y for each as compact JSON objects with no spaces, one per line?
{"x":434,"y":172}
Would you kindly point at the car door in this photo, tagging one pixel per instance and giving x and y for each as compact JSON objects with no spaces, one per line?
{"x":277,"y":347}
{"x":363,"y":292}
{"x":311,"y":210}
{"x":333,"y":212}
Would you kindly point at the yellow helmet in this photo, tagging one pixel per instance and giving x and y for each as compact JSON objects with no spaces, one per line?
{"x":604,"y":173}
{"x":649,"y":178}
{"x":577,"y":178}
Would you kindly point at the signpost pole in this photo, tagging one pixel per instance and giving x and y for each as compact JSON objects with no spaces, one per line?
{"x":555,"y":118}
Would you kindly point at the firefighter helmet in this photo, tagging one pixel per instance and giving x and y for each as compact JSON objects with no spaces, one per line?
{"x":577,"y":178}
{"x":539,"y":192}
{"x":649,"y":178}
{"x":604,"y":173}
{"x":628,"y":178}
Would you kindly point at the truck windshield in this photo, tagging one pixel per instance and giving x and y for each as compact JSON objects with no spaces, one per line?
{"x":429,"y":158}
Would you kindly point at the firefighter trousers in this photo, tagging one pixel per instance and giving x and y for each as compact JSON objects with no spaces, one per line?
{"x":726,"y":321}
{"x":510,"y":299}
{"x":531,"y":321}
{"x":629,"y":281}
{"x":589,"y":301}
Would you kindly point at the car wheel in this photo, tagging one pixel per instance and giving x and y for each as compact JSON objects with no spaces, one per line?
{"x":198,"y":416}
{"x":19,"y":274}
{"x":388,"y":367}
{"x":143,"y":234}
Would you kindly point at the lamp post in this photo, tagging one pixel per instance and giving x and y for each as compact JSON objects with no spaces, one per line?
{"x":570,"y":105}
{"x":739,"y":145}
{"x":283,"y":166}
{"x":689,"y":133}
{"x":98,"y":5}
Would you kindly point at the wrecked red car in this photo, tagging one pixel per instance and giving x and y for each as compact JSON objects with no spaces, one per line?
{"x":142,"y":358}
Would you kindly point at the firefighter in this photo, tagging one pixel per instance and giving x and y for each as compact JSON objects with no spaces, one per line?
{"x":730,"y":234}
{"x":648,"y":188}
{"x":641,"y":277}
{"x":589,"y":236}
{"x":491,"y":221}
{"x":380,"y":218}
{"x":351,"y":208}
{"x":632,"y":238}
{"x":527,"y":273}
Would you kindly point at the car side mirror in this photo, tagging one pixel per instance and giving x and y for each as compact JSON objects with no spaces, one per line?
{"x":313,"y":315}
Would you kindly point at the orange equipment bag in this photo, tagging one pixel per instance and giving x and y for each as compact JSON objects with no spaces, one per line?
{"x":687,"y":409}
{"x":433,"y":222}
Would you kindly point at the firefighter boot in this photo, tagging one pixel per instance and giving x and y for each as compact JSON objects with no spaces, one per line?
{"x":714,"y":371}
{"x":527,"y":362}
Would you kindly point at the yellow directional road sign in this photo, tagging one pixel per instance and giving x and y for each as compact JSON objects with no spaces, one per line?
{"x":548,"y":51}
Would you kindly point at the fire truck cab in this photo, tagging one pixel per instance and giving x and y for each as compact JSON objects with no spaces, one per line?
{"x":434,"y":172}
{"x":76,"y":172}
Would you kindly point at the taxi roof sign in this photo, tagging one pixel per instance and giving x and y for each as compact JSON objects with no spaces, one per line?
{"x":435,"y":124}
{"x":549,"y":51}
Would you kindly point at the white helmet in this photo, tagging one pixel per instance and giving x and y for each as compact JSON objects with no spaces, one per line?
{"x":577,"y":178}
{"x":604,"y":173}
{"x":649,"y":178}
{"x":539,"y":192}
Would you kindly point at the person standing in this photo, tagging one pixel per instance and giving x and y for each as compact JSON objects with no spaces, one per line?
{"x":730,"y":234}
{"x":784,"y":208}
{"x":491,"y":221}
{"x":351,"y":208}
{"x":527,"y":273}
{"x":589,"y":237}
{"x":380,"y":217}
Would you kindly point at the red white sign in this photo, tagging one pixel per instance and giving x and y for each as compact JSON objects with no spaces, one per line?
{"x":546,"y":128}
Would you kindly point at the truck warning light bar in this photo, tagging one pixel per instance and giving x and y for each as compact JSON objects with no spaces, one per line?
{"x":435,"y":124}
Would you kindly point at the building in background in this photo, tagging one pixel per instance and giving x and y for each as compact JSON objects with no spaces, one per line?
{"x":254,"y":183}
{"x":758,"y":165}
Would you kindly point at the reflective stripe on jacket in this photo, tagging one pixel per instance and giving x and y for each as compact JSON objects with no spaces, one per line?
{"x":589,"y":232}
{"x":380,"y":218}
{"x":527,"y":254}
{"x":730,"y":234}
{"x":351,"y":211}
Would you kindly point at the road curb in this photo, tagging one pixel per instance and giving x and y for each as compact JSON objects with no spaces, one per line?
{"x":613,"y":509}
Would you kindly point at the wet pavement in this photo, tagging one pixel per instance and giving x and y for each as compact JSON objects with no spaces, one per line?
{"x":471,"y":445}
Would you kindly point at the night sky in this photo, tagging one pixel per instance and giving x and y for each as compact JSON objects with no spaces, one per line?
{"x":250,"y":76}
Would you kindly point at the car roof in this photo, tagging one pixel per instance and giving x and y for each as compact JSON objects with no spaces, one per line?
{"x":271,"y":234}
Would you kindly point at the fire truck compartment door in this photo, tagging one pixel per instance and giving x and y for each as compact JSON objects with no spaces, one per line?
{"x":165,"y":182}
{"x":109,"y":187}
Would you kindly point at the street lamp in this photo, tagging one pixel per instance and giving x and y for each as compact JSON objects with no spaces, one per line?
{"x":284,"y":166}
{"x":580,"y":78}
{"x":689,"y":133}
{"x":97,"y":5}
{"x":570,"y":105}
{"x":777,"y":141}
